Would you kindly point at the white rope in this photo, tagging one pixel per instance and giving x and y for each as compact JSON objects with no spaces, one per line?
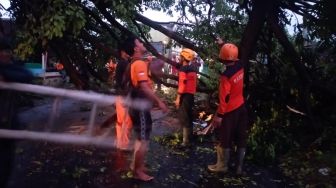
{"x":78,"y":95}
{"x":63,"y":138}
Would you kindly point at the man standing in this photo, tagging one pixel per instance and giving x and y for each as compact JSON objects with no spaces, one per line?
{"x":140,"y":89}
{"x":230,"y":121}
{"x":185,"y":94}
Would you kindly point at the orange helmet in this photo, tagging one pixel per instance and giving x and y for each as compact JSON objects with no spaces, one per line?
{"x":59,"y":66}
{"x":229,"y":52}
{"x":188,"y":54}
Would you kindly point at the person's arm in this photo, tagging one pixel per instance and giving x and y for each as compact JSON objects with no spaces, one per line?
{"x":144,"y":86}
{"x":141,"y":73}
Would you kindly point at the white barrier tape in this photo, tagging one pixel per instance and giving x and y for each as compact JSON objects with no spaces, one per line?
{"x":62,"y":138}
{"x":78,"y":95}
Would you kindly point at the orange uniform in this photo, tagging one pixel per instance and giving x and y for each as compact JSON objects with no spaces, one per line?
{"x":123,"y":126}
{"x":187,"y":80}
{"x":231,"y":89}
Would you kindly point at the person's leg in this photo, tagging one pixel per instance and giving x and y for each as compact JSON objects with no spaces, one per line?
{"x":142,"y":127}
{"x":186,"y":116}
{"x":140,"y":152}
{"x":242,"y":127}
{"x":223,"y":145}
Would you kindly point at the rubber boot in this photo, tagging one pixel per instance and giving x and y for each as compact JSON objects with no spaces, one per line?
{"x":186,"y":136}
{"x":240,"y":160}
{"x":223,"y":157}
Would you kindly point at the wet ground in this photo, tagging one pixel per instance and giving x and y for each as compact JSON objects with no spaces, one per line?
{"x":40,"y":164}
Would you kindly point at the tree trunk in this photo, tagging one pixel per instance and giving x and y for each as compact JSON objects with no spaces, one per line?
{"x":251,"y":33}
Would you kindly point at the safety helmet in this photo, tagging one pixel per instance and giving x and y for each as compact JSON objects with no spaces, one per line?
{"x":188,"y":54}
{"x":229,"y":52}
{"x":59,"y":66}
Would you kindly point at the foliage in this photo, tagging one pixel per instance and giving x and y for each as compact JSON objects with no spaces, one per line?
{"x":271,"y":136}
{"x":48,"y":20}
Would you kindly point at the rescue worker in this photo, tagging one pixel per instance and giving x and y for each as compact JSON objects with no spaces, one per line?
{"x":124,"y":122}
{"x":185,"y":94}
{"x":142,"y":121}
{"x":231,"y":120}
{"x":60,"y":68}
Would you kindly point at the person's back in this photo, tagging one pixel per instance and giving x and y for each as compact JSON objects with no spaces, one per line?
{"x":187,"y":79}
{"x":234,"y":77}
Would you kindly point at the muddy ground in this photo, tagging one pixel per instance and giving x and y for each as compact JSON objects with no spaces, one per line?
{"x":41,"y":164}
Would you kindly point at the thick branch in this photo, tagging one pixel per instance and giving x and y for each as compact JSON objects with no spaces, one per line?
{"x":147,"y":44}
{"x":175,"y":23}
{"x":168,"y":32}
{"x":253,"y":28}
